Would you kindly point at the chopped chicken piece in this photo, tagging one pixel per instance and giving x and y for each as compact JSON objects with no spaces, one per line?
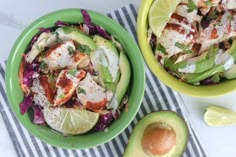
{"x":177,"y":30}
{"x":65,"y":55}
{"x":219,"y":30}
{"x":48,"y":87}
{"x":44,"y":40}
{"x":66,"y":84}
{"x":91,"y":95}
{"x":229,"y":4}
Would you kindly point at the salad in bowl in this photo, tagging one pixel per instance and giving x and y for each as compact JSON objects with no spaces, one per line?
{"x":195,"y":40}
{"x":75,"y":77}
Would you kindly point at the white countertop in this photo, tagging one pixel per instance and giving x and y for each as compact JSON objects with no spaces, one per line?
{"x":16,"y":15}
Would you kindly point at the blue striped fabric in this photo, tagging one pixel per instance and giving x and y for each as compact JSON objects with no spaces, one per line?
{"x":157,"y":97}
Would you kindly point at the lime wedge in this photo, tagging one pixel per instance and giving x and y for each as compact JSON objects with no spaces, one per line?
{"x":219,"y":116}
{"x":69,"y":120}
{"x":160,"y":13}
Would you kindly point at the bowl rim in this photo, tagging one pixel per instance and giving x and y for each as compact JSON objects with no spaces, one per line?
{"x":123,"y":35}
{"x":169,"y":80}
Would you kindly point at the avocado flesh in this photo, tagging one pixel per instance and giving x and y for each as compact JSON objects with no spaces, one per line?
{"x":109,"y":52}
{"x":197,"y":64}
{"x":231,"y":73}
{"x":124,"y":81}
{"x":70,"y":33}
{"x":134,"y":147}
{"x":219,"y":68}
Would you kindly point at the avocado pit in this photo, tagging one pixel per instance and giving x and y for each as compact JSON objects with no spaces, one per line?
{"x":158,"y":139}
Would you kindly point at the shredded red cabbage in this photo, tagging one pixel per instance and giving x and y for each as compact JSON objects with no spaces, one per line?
{"x":35,"y":38}
{"x":104,"y":121}
{"x":38,"y":115}
{"x":208,"y":81}
{"x":116,"y":114}
{"x":41,"y":30}
{"x":46,"y":30}
{"x":94,"y":29}
{"x":61,"y":24}
{"x":102,"y":32}
{"x":30,"y":73}
{"x":26,"y":103}
{"x":153,"y":41}
{"x":87,"y":19}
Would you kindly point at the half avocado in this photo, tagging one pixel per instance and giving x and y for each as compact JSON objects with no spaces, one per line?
{"x":159,"y":134}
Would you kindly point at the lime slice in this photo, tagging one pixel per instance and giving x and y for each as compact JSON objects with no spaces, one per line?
{"x":219,"y":116}
{"x":160,"y":13}
{"x":69,"y":120}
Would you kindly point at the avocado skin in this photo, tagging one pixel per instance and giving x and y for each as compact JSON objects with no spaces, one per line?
{"x":134,"y":147}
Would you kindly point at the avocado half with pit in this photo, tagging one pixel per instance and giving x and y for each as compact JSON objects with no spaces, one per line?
{"x":159,"y":134}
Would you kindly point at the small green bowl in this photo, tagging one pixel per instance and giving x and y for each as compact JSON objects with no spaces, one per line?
{"x":163,"y":75}
{"x":91,"y":139}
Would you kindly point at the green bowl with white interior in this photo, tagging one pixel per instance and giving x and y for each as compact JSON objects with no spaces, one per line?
{"x":214,"y":90}
{"x":92,"y":138}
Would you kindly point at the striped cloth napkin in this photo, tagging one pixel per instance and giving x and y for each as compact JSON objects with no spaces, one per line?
{"x":157,"y":97}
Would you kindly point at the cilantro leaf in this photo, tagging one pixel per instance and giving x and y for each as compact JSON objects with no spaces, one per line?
{"x":212,"y":15}
{"x":183,"y":47}
{"x":62,"y":95}
{"x":191,"y":6}
{"x":43,"y":65}
{"x":209,"y":3}
{"x":71,"y":51}
{"x":40,"y":49}
{"x":72,"y":72}
{"x":161,"y":49}
{"x":81,"y":90}
{"x":84,"y":49}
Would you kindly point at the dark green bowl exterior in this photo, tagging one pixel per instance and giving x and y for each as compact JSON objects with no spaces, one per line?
{"x":91,"y":139}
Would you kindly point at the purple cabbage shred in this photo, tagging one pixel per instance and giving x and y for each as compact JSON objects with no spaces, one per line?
{"x":104,"y":121}
{"x":102,"y":32}
{"x":38,"y":115}
{"x":61,"y":24}
{"x":30,"y":73}
{"x":35,"y":38}
{"x":94,"y":29}
{"x":26,"y":104}
{"x":45,"y":30}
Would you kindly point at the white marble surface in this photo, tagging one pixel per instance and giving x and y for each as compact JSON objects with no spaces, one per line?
{"x":16,"y":15}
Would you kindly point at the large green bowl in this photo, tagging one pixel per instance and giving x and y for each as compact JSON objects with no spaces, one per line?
{"x":91,"y":139}
{"x":163,"y":75}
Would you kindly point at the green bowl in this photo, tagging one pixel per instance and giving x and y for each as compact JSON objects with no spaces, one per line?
{"x":91,"y":139}
{"x":163,"y":75}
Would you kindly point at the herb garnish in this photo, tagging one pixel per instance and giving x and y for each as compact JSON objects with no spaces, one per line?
{"x":161,"y":49}
{"x":71,"y":50}
{"x":43,"y":65}
{"x":84,"y":49}
{"x":191,"y":6}
{"x":183,"y":47}
{"x":72,"y":72}
{"x":81,"y":90}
